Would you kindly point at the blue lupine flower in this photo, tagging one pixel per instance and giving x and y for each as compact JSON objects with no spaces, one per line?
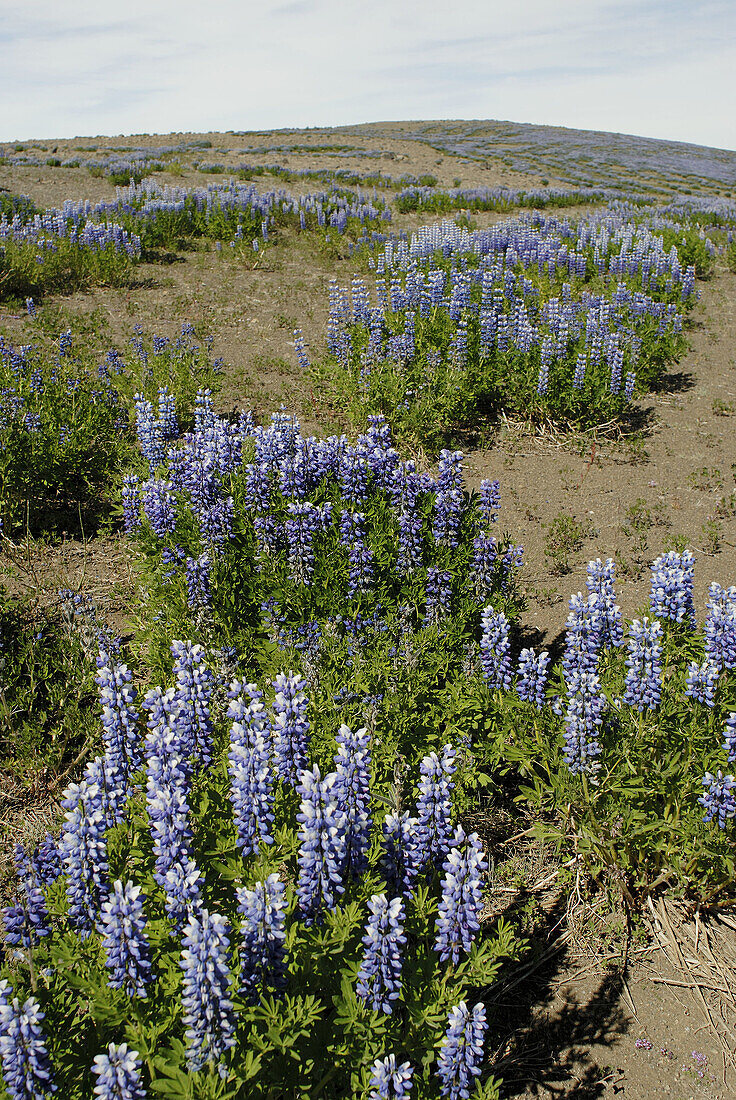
{"x":151,"y":433}
{"x":251,"y":782}
{"x":461,"y":902}
{"x":208,"y":1012}
{"x":490,"y":501}
{"x":702,"y":682}
{"x":26,"y":922}
{"x":438,"y":595}
{"x":495,"y":649}
{"x":353,"y":793}
{"x":447,"y":516}
{"x":46,"y":861}
{"x":410,"y":540}
{"x":167,"y":412}
{"x":485,"y":556}
{"x":159,"y":504}
{"x":131,"y":495}
{"x":353,"y":474}
{"x":84,"y":854}
{"x":167,"y":789}
{"x":321,"y":844}
{"x":583,"y":636}
{"x":583,"y":720}
{"x":720,"y":626}
{"x":434,"y":806}
{"x":513,"y":558}
{"x":600,"y":582}
{"x":119,"y":715}
{"x":291,"y":726}
{"x":123,"y":926}
{"x":300,"y":528}
{"x":194,"y":686}
{"x":461,"y":1053}
{"x":198,"y":572}
{"x":644,"y":664}
{"x":671,"y":594}
{"x":112,"y":786}
{"x":401,"y":857}
{"x":729,"y":736}
{"x":301,"y":353}
{"x":719,"y":799}
{"x":532,"y":676}
{"x":379,"y":978}
{"x":25,"y":1062}
{"x":118,"y":1074}
{"x":390,"y":1081}
{"x":263,"y":951}
{"x":361,"y":559}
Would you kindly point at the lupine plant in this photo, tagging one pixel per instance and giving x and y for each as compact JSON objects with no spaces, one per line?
{"x":534,"y":317}
{"x":65,"y":419}
{"x":289,"y":966}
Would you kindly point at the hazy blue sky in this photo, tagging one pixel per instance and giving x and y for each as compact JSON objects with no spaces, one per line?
{"x":660,"y":68}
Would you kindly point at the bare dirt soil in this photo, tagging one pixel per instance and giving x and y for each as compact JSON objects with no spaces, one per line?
{"x":570,"y":1027}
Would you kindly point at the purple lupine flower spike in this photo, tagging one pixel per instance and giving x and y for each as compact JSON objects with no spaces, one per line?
{"x":291,"y":726}
{"x":46,"y":861}
{"x":159,"y":505}
{"x":583,"y":636}
{"x":263,"y":953}
{"x":461,"y":1053}
{"x":600,"y":582}
{"x":198,"y":572}
{"x":729,"y":736}
{"x":208,"y":1011}
{"x":495,"y":649}
{"x":702,"y":682}
{"x":119,"y":714}
{"x":127,"y":953}
{"x":401,"y":859}
{"x":167,"y":792}
{"x":379,"y":977}
{"x":131,"y":496}
{"x":194,"y":687}
{"x":672,"y":587}
{"x":461,"y":902}
{"x":720,"y":626}
{"x":118,"y":1074}
{"x":26,"y":1067}
{"x":490,"y":501}
{"x":390,"y":1081}
{"x":353,"y":793}
{"x":532,"y":676}
{"x":644,"y":664}
{"x":84,"y":854}
{"x":434,"y":806}
{"x":583,"y":720}
{"x":719,"y":798}
{"x":251,"y":780}
{"x":322,"y":844}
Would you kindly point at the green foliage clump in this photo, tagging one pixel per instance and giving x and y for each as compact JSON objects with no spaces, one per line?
{"x":48,"y":702}
{"x":65,"y":419}
{"x":61,"y":266}
{"x":64,"y":434}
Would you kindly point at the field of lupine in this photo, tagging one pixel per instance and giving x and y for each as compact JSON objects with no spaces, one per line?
{"x":279,"y":780}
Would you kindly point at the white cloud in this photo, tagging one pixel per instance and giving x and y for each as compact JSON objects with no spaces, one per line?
{"x":653,"y":67}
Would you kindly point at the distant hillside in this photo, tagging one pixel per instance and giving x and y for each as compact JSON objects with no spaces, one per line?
{"x":580,"y":157}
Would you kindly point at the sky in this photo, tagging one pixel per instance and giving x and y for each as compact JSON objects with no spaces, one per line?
{"x":656,"y":68}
